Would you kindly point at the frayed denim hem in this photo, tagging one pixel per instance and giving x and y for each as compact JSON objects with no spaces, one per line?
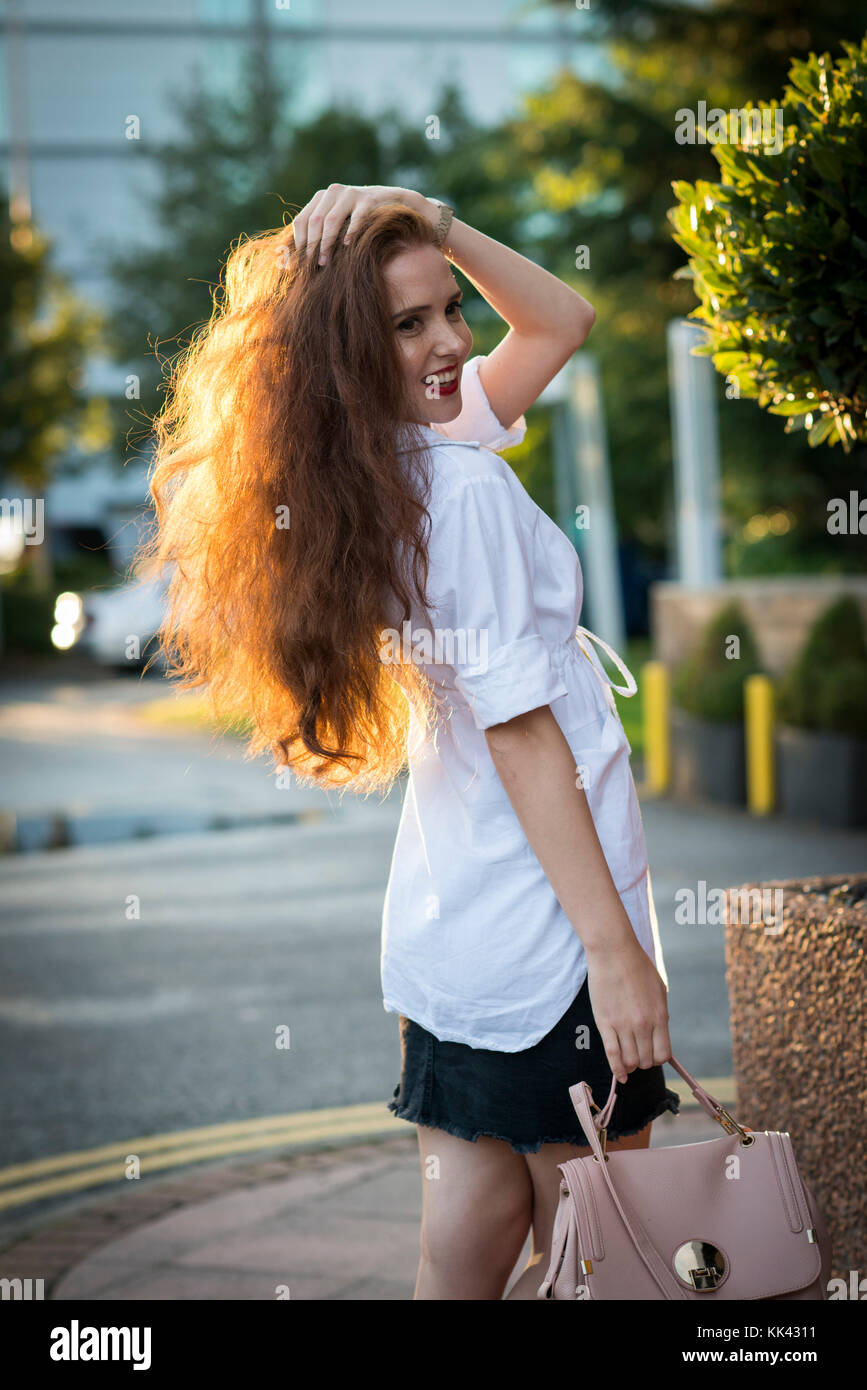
{"x":669,"y":1101}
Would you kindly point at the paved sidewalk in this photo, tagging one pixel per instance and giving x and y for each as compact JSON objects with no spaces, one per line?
{"x":330,"y":1224}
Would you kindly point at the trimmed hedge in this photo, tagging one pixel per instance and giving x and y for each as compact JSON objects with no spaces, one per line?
{"x":710,"y":684}
{"x":826,"y":687}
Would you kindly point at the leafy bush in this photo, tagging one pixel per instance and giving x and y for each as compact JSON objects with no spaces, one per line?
{"x":826,"y":687}
{"x":710,"y":684}
{"x":778,"y":253}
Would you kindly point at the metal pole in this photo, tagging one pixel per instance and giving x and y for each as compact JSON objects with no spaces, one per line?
{"x":563,"y":447}
{"x":599,"y":557}
{"x":696,"y":457}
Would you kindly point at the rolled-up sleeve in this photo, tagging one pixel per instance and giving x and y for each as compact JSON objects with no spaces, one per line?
{"x":482,"y":576}
{"x":477,"y":420}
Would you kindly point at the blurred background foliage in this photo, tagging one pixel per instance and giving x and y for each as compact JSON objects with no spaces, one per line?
{"x":46,"y":411}
{"x":776,"y":258}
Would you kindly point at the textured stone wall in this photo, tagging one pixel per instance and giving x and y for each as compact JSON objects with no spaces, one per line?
{"x":781,"y":611}
{"x":797,"y":998}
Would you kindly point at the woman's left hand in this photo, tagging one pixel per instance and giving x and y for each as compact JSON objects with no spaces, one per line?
{"x":319,"y":221}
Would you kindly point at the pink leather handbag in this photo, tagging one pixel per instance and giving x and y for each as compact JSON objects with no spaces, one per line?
{"x":730,"y":1218}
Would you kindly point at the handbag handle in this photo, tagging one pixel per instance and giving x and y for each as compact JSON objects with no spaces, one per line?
{"x":713,"y":1107}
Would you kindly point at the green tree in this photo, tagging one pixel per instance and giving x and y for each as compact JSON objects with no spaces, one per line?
{"x":45,"y":334}
{"x":778,"y":254}
{"x":749,"y":46}
{"x":601,"y":158}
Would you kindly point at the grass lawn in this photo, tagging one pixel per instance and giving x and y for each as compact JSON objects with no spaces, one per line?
{"x":187,"y":709}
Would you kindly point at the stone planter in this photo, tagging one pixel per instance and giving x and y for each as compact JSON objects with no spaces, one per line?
{"x":821,"y":776}
{"x":707,"y":759}
{"x":796,"y":997}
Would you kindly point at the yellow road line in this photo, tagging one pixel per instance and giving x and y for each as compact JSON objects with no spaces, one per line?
{"x":196,"y":1153}
{"x":93,"y":1167}
{"x":152,"y":1143}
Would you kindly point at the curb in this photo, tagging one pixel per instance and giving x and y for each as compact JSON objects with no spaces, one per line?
{"x":48,"y":1249}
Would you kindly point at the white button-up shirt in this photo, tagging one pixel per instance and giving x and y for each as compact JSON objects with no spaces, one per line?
{"x":475,"y":945}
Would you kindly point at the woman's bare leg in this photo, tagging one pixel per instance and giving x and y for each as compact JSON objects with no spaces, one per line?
{"x":546,"y":1179}
{"x":477,"y":1209}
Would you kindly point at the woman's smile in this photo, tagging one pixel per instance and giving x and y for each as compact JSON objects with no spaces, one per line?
{"x":447,"y":379}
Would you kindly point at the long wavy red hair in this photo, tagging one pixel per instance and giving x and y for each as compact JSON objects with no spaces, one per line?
{"x":295,"y":532}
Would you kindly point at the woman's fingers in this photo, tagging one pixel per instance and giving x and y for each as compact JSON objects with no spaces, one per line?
{"x":359,"y":212}
{"x":611,"y":1043}
{"x":661,"y":1045}
{"x":631,"y":1048}
{"x":301,"y":219}
{"x":319,"y":224}
{"x":645,"y":1045}
{"x":631,"y":1013}
{"x":334,"y":220}
{"x":308,"y":224}
{"x":316,"y":220}
{"x":627,"y":1050}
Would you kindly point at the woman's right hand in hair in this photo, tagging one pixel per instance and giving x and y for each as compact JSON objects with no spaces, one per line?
{"x":630,"y":1005}
{"x":319,"y":221}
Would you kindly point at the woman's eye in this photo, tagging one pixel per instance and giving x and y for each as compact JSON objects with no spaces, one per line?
{"x":407,"y":324}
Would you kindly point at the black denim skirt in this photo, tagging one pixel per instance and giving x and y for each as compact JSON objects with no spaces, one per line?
{"x":522,"y":1097}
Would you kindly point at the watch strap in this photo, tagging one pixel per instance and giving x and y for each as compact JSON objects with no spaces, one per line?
{"x":445,"y":220}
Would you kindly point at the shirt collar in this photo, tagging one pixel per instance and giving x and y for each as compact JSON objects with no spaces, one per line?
{"x":430,"y":436}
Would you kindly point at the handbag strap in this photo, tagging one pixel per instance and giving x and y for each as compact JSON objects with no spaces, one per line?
{"x":582,"y":1098}
{"x":705,"y":1099}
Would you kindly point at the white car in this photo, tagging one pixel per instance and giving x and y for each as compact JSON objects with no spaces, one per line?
{"x":116,"y":627}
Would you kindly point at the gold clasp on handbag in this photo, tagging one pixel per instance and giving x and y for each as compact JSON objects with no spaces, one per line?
{"x":700,"y":1264}
{"x":730,"y":1124}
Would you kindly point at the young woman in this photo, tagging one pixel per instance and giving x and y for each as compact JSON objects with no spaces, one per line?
{"x":362,"y":575}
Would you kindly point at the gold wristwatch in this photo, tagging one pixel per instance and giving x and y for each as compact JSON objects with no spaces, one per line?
{"x":445,"y":219}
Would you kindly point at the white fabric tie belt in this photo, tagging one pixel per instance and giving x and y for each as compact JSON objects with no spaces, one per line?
{"x":592,"y":657}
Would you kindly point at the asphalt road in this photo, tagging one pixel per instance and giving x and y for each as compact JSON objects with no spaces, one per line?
{"x":115,"y":1025}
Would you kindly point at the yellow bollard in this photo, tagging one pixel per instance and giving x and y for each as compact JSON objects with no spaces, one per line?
{"x":759,"y":731}
{"x":657,"y":754}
